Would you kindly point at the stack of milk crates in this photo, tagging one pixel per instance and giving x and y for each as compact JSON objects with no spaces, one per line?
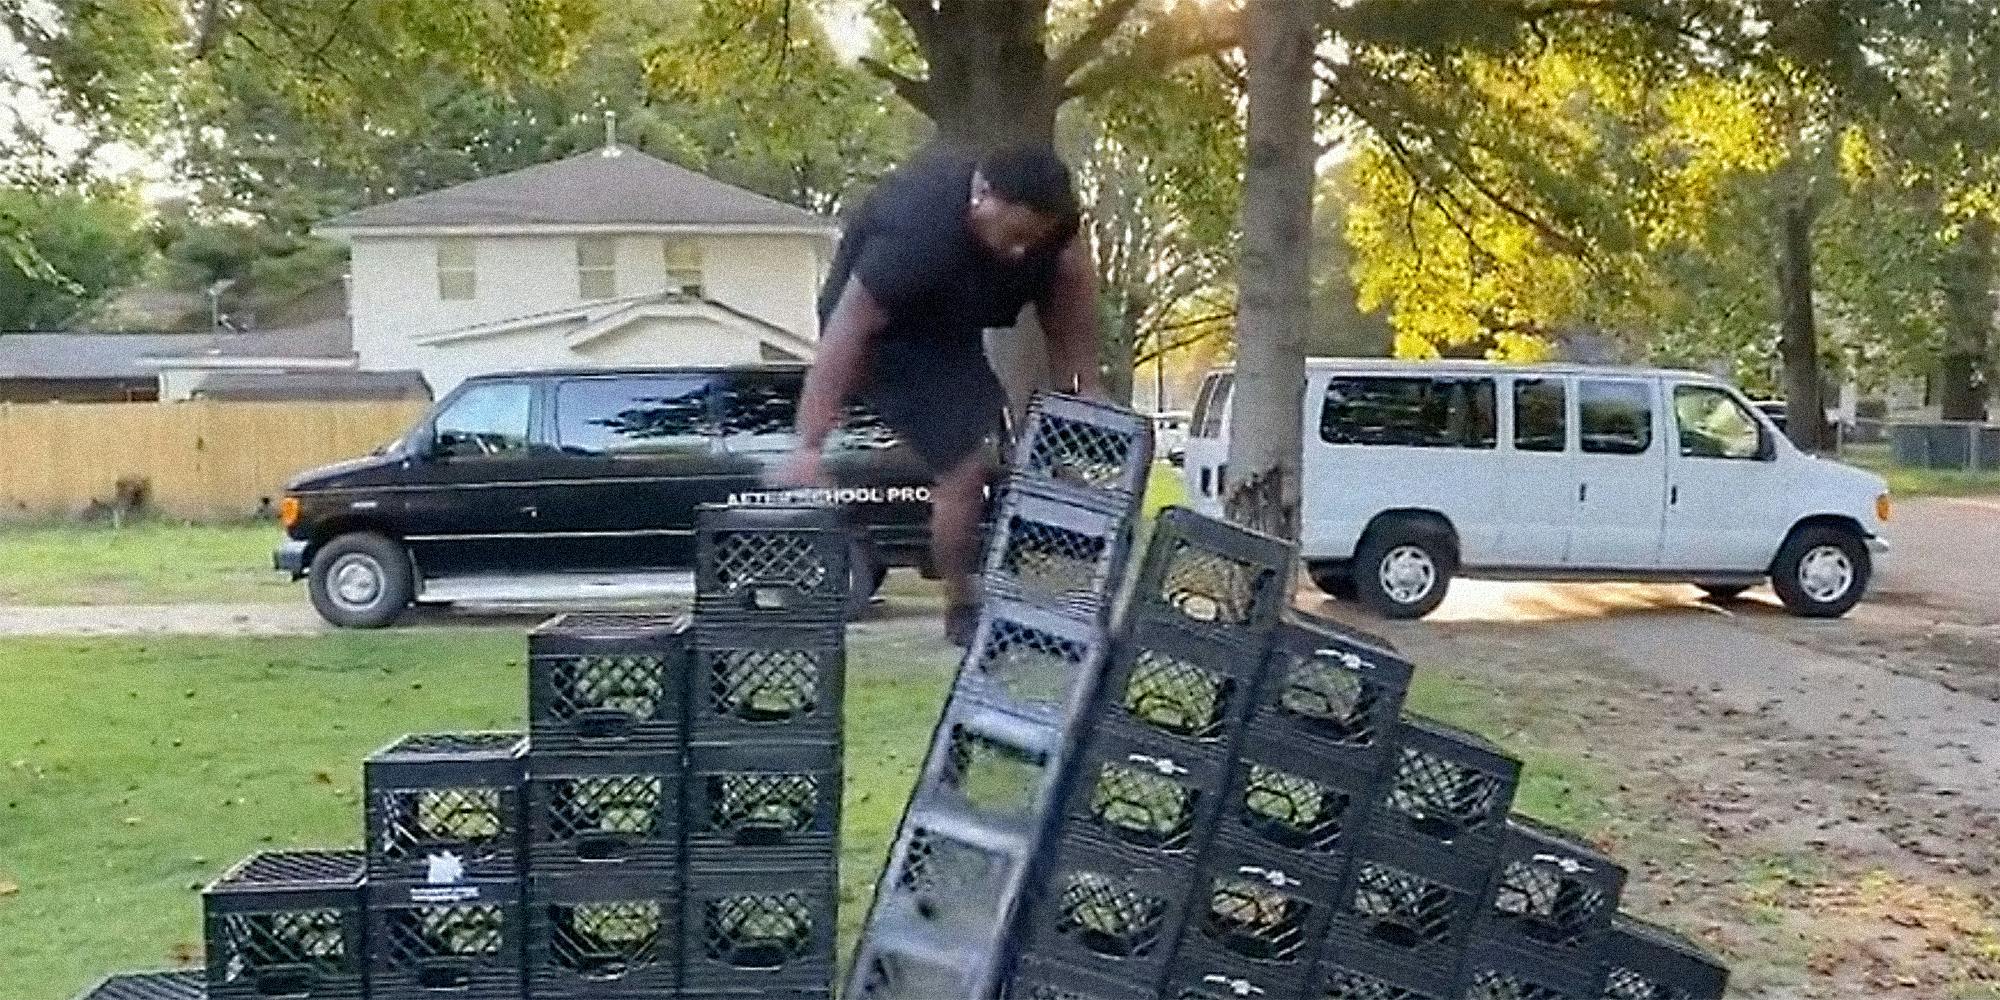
{"x":975,"y":829}
{"x":761,"y":815}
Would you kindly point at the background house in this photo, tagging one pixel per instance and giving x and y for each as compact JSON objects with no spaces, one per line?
{"x":86,"y":367}
{"x":611,"y":257}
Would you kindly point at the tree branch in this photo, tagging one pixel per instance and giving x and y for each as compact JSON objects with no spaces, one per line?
{"x":916,"y":92}
{"x":1151,"y":55}
{"x":1086,"y":45}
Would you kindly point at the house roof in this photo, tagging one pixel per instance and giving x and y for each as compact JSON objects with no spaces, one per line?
{"x":314,"y":386}
{"x":613,"y":186}
{"x":89,"y":355}
{"x":331,"y":337}
{"x":604,"y":315}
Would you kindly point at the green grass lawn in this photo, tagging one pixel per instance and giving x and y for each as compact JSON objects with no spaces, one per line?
{"x":146,"y":563}
{"x":1906,"y":481}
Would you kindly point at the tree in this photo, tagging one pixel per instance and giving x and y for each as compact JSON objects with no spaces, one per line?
{"x":86,"y":247}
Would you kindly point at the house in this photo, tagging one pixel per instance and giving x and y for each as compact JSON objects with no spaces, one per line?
{"x":610,"y":257}
{"x":314,"y":360}
{"x":86,"y":367}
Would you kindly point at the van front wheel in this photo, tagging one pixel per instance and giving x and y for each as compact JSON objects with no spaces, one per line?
{"x":1821,"y":571}
{"x":1403,"y":568}
{"x":361,"y":580}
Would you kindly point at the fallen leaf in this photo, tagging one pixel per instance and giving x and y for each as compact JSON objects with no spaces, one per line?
{"x":9,"y":889}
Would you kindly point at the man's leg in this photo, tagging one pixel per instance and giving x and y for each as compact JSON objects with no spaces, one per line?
{"x":957,"y":500}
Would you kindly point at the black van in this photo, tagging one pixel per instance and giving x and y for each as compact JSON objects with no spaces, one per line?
{"x":555,"y":485}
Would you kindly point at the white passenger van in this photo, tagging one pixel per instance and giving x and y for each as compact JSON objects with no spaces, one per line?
{"x":1418,"y":471}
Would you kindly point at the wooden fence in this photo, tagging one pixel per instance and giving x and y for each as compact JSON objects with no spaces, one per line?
{"x":199,"y":460}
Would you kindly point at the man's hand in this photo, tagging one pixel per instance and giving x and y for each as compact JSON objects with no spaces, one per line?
{"x":803,"y":468}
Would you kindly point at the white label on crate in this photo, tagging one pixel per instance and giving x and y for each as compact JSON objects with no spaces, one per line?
{"x":446,"y":868}
{"x":445,"y":894}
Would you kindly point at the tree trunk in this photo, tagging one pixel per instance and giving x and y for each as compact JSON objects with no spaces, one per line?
{"x":1119,"y":347}
{"x":1274,"y":280}
{"x":1798,"y":338}
{"x":1963,"y":374}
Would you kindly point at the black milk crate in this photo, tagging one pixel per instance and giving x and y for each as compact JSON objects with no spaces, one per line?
{"x":1097,"y":912}
{"x":766,"y":682}
{"x":1032,"y":661}
{"x":470,"y":948}
{"x":449,"y":801}
{"x":1551,"y":893}
{"x":1086,"y":447}
{"x":783,"y":561}
{"x":1049,"y":551}
{"x":604,"y":937}
{"x":1343,"y":974}
{"x":179,"y":984}
{"x":1182,"y":685}
{"x":762,"y":805}
{"x":1189,"y":983}
{"x":911,"y":972}
{"x":1213,"y":577}
{"x":1446,"y":788}
{"x":1136,"y":796}
{"x":1252,"y":921}
{"x":1303,"y":811}
{"x":1645,"y":961}
{"x":764,"y":929}
{"x":1495,"y":968}
{"x":1401,"y":919}
{"x":991,"y":766}
{"x":1035,"y":978}
{"x":287,"y":923}
{"x":1326,"y":692}
{"x":600,"y":681}
{"x":599,"y":813}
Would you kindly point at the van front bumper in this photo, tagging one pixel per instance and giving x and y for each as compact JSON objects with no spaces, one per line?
{"x":1877,"y":545}
{"x":290,"y":557}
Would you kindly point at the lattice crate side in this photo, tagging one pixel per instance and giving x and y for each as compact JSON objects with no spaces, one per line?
{"x":790,"y":558}
{"x":473,"y":948}
{"x":608,"y":682}
{"x":1447,"y":786}
{"x":763,"y":801}
{"x":612,"y":937}
{"x":1099,"y":913}
{"x":1337,"y":695}
{"x":1213,"y":577}
{"x":1184,"y":686}
{"x":1056,"y":554}
{"x":599,"y":812}
{"x":992,"y":766}
{"x":1645,"y":961}
{"x":1494,"y":969}
{"x":1253,"y":921}
{"x":905,"y":973}
{"x":286,"y":923}
{"x":1138,"y":797}
{"x":1301,"y":809}
{"x":760,"y":929}
{"x":1350,"y":974}
{"x":1033,"y":661}
{"x":1396,"y":909}
{"x":766,"y":681}
{"x":947,"y":890}
{"x":173,"y":984}
{"x":451,"y":798}
{"x":1085,"y":444}
{"x":1550,"y":890}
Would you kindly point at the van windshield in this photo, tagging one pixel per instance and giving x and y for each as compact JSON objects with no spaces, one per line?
{"x":1210,"y":405}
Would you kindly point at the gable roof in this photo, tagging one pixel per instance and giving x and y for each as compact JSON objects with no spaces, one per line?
{"x":89,"y":355}
{"x":617,"y":186}
{"x":330,"y":337}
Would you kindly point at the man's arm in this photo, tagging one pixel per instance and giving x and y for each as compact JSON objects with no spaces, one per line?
{"x":836,"y":373}
{"x":1069,"y":317}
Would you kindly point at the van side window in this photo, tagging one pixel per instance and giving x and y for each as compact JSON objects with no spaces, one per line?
{"x":1210,"y":405}
{"x":862,"y":430}
{"x":1714,"y":425}
{"x":1409,"y":412}
{"x":1541,"y":414}
{"x":620,"y":416}
{"x":759,"y":410}
{"x":1617,"y":416}
{"x":487,"y":419}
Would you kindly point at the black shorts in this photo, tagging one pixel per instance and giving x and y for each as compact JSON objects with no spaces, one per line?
{"x":943,"y":399}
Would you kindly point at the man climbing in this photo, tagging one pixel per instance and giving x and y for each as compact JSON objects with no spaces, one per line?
{"x":946,"y":247}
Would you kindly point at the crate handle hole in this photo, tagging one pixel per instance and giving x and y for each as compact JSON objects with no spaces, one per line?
{"x":605,"y":968}
{"x":604,"y":723}
{"x":603,"y":847}
{"x":444,"y":975}
{"x":760,"y":835}
{"x":286,"y":982}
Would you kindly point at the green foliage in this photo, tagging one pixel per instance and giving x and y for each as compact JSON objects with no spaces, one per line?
{"x":67,"y":250}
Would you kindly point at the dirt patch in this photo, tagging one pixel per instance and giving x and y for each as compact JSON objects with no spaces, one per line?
{"x":1955,"y":656}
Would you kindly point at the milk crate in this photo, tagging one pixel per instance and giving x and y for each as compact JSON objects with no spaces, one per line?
{"x":766,"y":682}
{"x":1401,"y":919}
{"x":443,"y":805}
{"x":1031,"y":661}
{"x":1341,"y":974}
{"x":783,"y":561}
{"x":1086,"y":447}
{"x":1213,"y":578}
{"x":1182,"y":686}
{"x":1446,"y":791}
{"x":992,"y":767}
{"x":760,"y":932}
{"x":1254,"y":922}
{"x":176,"y":985}
{"x":762,"y":805}
{"x":1551,"y":893}
{"x":287,"y":923}
{"x":1099,"y":914}
{"x":1052,"y":552}
{"x":470,"y":949}
{"x":1036,"y":978}
{"x":601,"y":682}
{"x":1133,"y":799}
{"x":1498,"y":969}
{"x":603,"y":813}
{"x":1326,"y":692}
{"x":1301,"y":811}
{"x":603,"y":937}
{"x":1647,"y":962}
{"x":914,"y":974}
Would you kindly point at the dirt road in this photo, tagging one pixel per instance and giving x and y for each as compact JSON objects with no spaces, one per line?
{"x":1946,"y":553}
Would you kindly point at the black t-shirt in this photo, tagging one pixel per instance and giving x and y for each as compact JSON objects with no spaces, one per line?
{"x":910,"y":246}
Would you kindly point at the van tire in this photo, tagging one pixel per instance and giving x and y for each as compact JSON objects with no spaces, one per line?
{"x":1812,"y":567}
{"x":361,"y":580}
{"x":865,"y":573}
{"x":1334,"y":579}
{"x":1423,"y":548}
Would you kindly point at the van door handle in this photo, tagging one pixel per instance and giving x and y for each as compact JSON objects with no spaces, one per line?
{"x":1673,"y":494}
{"x":531,"y":511}
{"x":1582,"y":492}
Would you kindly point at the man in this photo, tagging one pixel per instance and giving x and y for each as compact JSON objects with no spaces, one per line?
{"x":946,"y":247}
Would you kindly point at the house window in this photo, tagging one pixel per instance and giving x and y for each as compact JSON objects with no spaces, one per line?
{"x":683,"y":258}
{"x":458,"y":277}
{"x":597,"y":267}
